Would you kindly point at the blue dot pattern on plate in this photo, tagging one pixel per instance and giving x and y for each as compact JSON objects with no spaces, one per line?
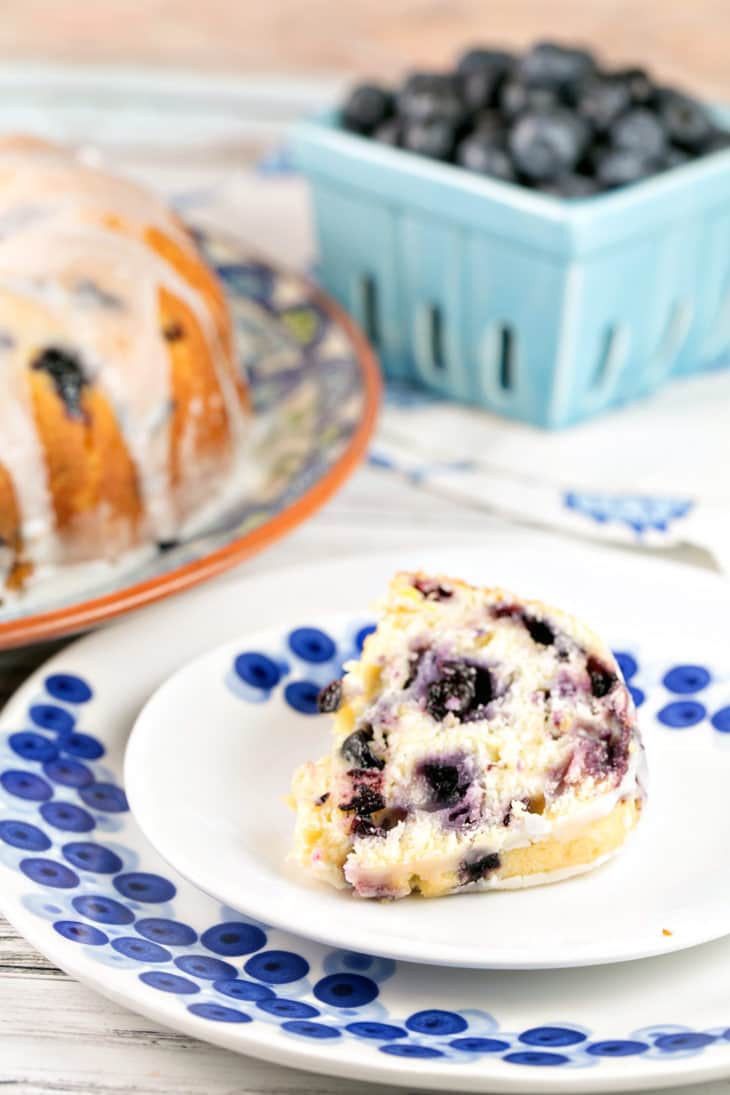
{"x":617,"y":1048}
{"x":153,"y":889}
{"x":68,"y":688}
{"x":79,"y":932}
{"x":171,"y":932}
{"x":102,"y":909}
{"x":552,"y":1036}
{"x":346,"y":990}
{"x":277,"y":967}
{"x":302,"y":696}
{"x":68,"y":773}
{"x":54,"y":794}
{"x":721,"y":720}
{"x":141,"y":949}
{"x":233,"y":938}
{"x":21,"y":834}
{"x":105,"y":797}
{"x":627,"y":664}
{"x":684,"y":679}
{"x":312,"y":645}
{"x":32,"y":746}
{"x":436,"y":1022}
{"x":49,"y":716}
{"x":68,"y":817}
{"x":87,"y":856}
{"x":362,"y":635}
{"x":47,"y":872}
{"x":306,"y":660}
{"x":257,"y":670}
{"x":682,"y":714}
{"x":82,"y":745}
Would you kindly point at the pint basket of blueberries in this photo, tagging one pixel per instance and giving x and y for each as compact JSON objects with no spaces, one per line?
{"x":533,"y":234}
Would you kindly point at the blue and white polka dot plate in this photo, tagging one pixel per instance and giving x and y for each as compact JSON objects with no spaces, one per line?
{"x":79,"y":878}
{"x":256,"y":698}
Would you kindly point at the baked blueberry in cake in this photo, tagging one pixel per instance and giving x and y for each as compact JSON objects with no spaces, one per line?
{"x":481,"y":741}
{"x":121,"y":407}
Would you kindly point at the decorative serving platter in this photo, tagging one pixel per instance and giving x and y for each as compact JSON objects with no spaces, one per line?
{"x":81,"y":881}
{"x":315,"y":388}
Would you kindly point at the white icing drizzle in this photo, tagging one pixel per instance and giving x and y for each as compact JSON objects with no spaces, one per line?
{"x":70,"y":280}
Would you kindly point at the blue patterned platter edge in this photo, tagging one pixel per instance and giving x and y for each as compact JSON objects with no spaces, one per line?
{"x":81,"y":881}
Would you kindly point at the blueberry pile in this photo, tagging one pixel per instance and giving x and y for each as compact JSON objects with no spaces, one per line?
{"x":551,"y":119}
{"x":67,"y":374}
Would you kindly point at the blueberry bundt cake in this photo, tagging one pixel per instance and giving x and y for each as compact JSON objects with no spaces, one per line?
{"x":481,"y":742}
{"x":121,"y":407}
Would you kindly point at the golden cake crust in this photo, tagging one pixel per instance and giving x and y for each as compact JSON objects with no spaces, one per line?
{"x":148,"y":417}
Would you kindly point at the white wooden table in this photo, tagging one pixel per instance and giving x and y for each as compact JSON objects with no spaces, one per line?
{"x":57,"y":1037}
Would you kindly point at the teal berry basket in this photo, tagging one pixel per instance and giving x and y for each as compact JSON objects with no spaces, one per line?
{"x":539,"y":308}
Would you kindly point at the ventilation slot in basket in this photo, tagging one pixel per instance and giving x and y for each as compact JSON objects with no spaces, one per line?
{"x":430,"y":346}
{"x":673,"y":336}
{"x":719,"y":338}
{"x":607,"y":356}
{"x":436,"y":337}
{"x":499,"y":363}
{"x":368,"y":307}
{"x":507,"y":341}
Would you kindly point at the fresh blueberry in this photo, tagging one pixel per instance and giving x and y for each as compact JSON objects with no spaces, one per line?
{"x":389,"y":132}
{"x":602,"y":678}
{"x":478,"y":59}
{"x":480,"y":88}
{"x":366,"y":107}
{"x":547,"y":144}
{"x":601,"y":100}
{"x":673,"y":157}
{"x":472,"y":870}
{"x":687,"y":122}
{"x":641,"y":131}
{"x":65,"y":370}
{"x":435,"y":138}
{"x":641,"y":89}
{"x":364,"y":802}
{"x":431,"y":590}
{"x":461,"y":690}
{"x":540,"y":632}
{"x":480,"y":154}
{"x":357,"y":752}
{"x":446,"y":781}
{"x":431,"y":97}
{"x":553,"y":66}
{"x":619,"y":166}
{"x":482,"y":72}
{"x":330,"y":697}
{"x":516,"y":98}
{"x":489,"y":124}
{"x":571,"y":186}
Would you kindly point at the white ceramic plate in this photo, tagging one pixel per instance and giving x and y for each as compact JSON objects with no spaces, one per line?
{"x":80,"y":880}
{"x":211,"y":757}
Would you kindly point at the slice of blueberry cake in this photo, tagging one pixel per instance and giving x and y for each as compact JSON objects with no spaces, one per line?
{"x":481,"y":742}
